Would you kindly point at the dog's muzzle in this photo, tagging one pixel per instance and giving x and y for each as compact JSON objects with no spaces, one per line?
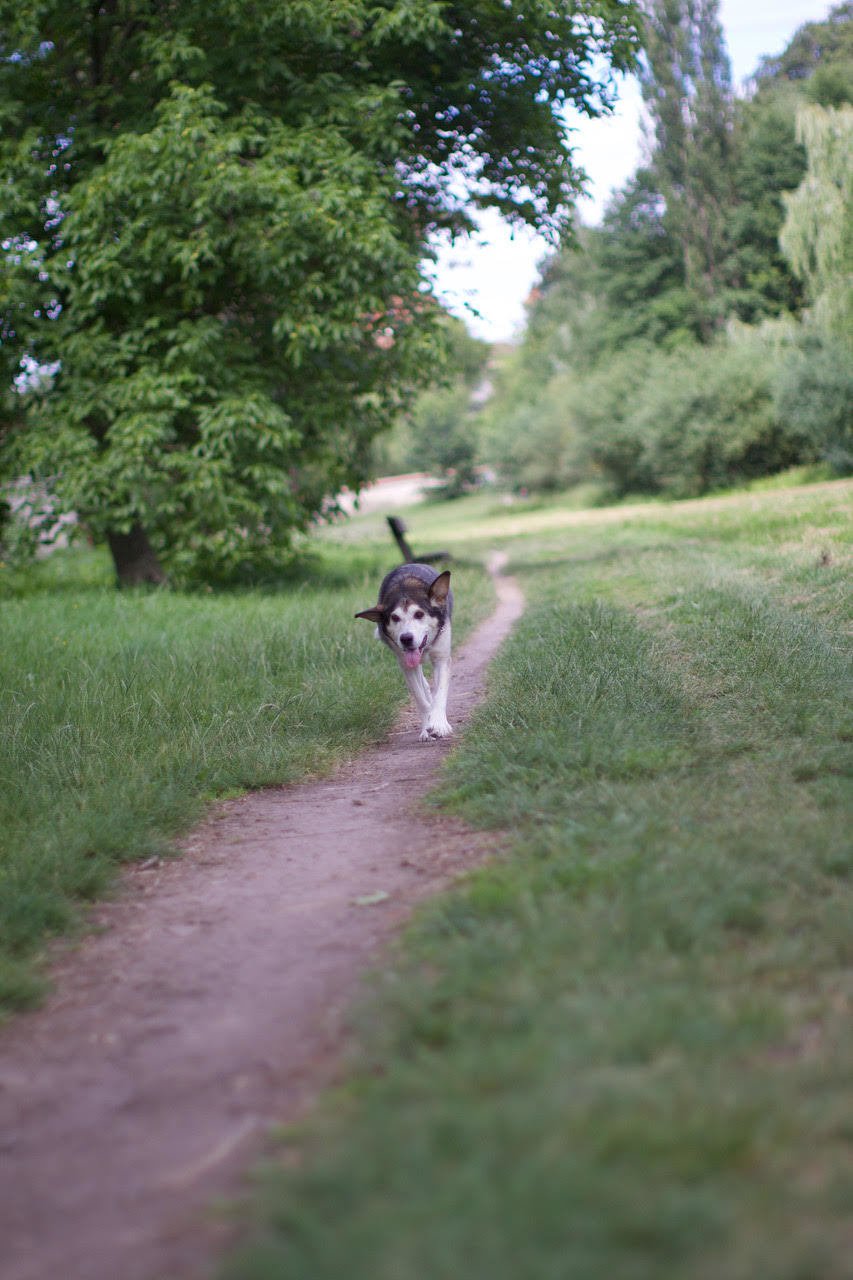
{"x":413,"y":657}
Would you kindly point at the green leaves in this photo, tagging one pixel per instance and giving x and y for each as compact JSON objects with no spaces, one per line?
{"x":634,"y":370}
{"x":817,"y":236}
{"x":223,"y":271}
{"x":216,"y":221}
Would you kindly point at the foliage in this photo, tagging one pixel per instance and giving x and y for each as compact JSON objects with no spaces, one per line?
{"x":214,"y":222}
{"x":687,"y":421}
{"x":534,"y":447}
{"x":29,"y":524}
{"x":617,"y":377}
{"x":704,"y":419}
{"x":438,"y":433}
{"x":686,"y":83}
{"x":443,"y":435}
{"x":680,"y":422}
{"x":813,"y":391}
{"x":767,"y":162}
{"x":818,"y":233}
{"x":770,"y":160}
{"x":814,"y":48}
{"x":608,"y":444}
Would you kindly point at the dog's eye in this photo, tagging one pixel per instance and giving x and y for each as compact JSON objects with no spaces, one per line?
{"x":395,"y":617}
{"x":419,"y":613}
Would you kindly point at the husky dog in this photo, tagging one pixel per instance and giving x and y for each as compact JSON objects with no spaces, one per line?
{"x":413,"y":619}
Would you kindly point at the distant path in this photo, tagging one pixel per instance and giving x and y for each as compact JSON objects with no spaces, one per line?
{"x":213,"y":1004}
{"x":389,"y":492}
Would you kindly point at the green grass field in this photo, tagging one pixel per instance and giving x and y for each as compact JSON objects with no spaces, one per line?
{"x":123,"y":714}
{"x":623,"y":1051}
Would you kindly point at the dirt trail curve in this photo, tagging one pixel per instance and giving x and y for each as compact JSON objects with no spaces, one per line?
{"x":211,"y":1005}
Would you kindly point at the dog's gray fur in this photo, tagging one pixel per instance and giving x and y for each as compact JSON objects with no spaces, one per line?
{"x":413,"y":617}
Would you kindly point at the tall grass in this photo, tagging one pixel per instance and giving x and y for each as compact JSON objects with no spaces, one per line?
{"x":124,"y":713}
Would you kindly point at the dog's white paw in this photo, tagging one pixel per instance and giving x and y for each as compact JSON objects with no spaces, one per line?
{"x":436,"y":727}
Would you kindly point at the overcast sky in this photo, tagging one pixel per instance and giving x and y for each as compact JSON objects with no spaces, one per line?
{"x":495,"y":271}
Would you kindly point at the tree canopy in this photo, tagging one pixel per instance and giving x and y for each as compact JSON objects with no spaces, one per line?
{"x":678,"y":346}
{"x":686,"y":83}
{"x":818,"y":231}
{"x":214,"y":216}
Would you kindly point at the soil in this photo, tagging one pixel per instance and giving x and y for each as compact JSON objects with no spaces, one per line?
{"x":211,"y":1004}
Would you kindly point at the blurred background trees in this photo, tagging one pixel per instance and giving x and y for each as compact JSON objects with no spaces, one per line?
{"x":438,"y":433}
{"x":701,"y":335}
{"x":212,"y":304}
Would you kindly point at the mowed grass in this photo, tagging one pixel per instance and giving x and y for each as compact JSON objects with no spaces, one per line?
{"x":623,"y":1050}
{"x":123,"y":714}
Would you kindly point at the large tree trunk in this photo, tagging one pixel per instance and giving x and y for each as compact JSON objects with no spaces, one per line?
{"x":134,"y":558}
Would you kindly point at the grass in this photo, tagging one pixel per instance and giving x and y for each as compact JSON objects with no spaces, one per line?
{"x":623,"y":1050}
{"x":488,"y":515}
{"x":125,"y":713}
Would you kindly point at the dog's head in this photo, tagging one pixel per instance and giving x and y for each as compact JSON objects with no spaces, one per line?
{"x":411,"y":619}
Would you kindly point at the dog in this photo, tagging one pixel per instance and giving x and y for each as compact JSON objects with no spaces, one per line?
{"x":413,"y":618}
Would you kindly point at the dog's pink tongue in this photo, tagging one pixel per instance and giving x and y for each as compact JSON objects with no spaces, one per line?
{"x":412,"y":658}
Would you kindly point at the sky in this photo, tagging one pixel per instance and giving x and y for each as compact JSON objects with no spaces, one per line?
{"x":494,"y":271}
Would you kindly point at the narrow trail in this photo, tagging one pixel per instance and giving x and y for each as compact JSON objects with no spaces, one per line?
{"x":212,"y":1004}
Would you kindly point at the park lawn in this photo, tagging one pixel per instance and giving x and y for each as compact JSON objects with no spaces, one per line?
{"x":124,"y":713}
{"x":623,"y":1050}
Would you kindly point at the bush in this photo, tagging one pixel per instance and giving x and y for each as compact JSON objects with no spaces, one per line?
{"x":686,"y":421}
{"x":537,"y":449}
{"x":689,"y":421}
{"x":608,"y":443}
{"x":707,"y":417}
{"x":813,"y":395}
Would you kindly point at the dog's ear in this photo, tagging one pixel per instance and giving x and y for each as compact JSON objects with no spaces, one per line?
{"x":372,"y":615}
{"x":439,"y":589}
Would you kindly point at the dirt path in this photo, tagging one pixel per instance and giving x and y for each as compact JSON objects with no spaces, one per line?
{"x":211,"y":1005}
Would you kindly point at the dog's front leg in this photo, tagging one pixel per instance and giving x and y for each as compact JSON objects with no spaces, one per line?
{"x":436,"y":724}
{"x":425,"y":689}
{"x":419,"y":689}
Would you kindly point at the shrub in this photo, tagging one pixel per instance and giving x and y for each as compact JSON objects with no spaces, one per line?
{"x":813,"y":395}
{"x":688,"y":421}
{"x":608,"y":442}
{"x":707,"y":419}
{"x":539,"y":445}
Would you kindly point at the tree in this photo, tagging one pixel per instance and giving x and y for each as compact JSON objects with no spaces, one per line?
{"x":640,"y":271}
{"x":438,"y":432}
{"x":817,"y":49}
{"x":818,"y":233}
{"x":623,"y":374}
{"x":816,"y":66}
{"x":214,"y":219}
{"x":767,"y":162}
{"x":686,"y":84}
